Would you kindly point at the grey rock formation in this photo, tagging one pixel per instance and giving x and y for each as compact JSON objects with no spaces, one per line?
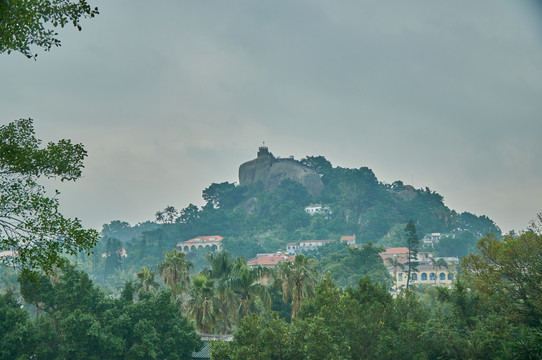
{"x":271,"y":171}
{"x":407,"y":193}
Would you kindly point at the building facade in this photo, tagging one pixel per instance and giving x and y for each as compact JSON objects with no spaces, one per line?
{"x":305,"y":245}
{"x":425,"y":274}
{"x":213,"y":242}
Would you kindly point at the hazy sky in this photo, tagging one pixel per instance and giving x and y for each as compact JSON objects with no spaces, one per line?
{"x":170,"y":96}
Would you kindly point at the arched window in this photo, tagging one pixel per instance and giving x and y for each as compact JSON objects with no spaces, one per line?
{"x":414,"y":276}
{"x":442,"y":276}
{"x":450,"y":276}
{"x":432,"y":276}
{"x":424,"y":276}
{"x":214,"y":247}
{"x":186,"y":248}
{"x":193,"y":247}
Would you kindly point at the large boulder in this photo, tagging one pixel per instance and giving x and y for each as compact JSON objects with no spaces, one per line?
{"x":271,"y":171}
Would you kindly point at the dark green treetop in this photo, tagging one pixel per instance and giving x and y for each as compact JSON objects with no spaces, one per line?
{"x":412,"y":244}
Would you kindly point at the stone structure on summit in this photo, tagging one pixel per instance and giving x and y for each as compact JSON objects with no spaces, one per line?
{"x":271,"y":171}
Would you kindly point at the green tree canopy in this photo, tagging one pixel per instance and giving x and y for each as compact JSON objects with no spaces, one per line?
{"x":318,"y":163}
{"x":297,"y":280}
{"x":27,"y":23}
{"x":82,"y":323}
{"x":30,"y":221}
{"x":167,"y":216}
{"x":510,"y":273}
{"x":174,"y":270}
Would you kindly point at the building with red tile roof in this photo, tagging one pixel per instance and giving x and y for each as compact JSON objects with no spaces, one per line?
{"x":399,"y":253}
{"x":213,"y":242}
{"x":269,"y":260}
{"x":350,"y":240}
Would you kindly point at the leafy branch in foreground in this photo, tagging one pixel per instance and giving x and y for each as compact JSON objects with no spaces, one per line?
{"x":30,"y":222}
{"x":24,"y":23}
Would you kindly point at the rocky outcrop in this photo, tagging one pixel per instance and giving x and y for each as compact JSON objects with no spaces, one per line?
{"x":271,"y":171}
{"x":407,"y":193}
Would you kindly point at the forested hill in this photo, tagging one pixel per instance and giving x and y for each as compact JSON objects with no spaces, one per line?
{"x":253,"y":218}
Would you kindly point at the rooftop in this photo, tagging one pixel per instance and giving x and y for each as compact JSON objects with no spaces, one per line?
{"x":315,"y":241}
{"x":396,"y":250}
{"x":200,"y":239}
{"x":269,"y":260}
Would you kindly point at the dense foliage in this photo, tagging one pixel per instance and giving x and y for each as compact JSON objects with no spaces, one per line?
{"x":77,"y":321}
{"x":28,"y":23}
{"x":253,"y":220}
{"x":492,"y":313}
{"x":30,"y":221}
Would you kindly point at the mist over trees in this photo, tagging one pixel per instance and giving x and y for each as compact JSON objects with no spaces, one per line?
{"x":255,"y":220}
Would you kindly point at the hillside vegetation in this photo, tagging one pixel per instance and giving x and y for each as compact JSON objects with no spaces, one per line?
{"x":253,"y":219}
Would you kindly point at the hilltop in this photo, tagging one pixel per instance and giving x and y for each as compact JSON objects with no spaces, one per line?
{"x":271,"y":171}
{"x":267,"y":210}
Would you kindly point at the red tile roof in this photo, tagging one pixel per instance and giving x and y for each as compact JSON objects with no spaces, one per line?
{"x":210,"y":238}
{"x":269,"y":260}
{"x":397,"y":250}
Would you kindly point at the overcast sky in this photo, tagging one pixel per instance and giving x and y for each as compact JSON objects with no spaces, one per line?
{"x":170,"y":96}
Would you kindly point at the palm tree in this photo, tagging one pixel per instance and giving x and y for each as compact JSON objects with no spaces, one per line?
{"x":438,"y":264}
{"x":396,"y":264}
{"x":174,"y":270}
{"x":227,"y":307}
{"x":202,"y":303}
{"x":146,"y":279}
{"x":297,"y":280}
{"x":220,"y":263}
{"x":244,"y":281}
{"x":220,"y":269}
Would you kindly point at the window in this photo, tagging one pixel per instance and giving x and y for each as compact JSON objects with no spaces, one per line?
{"x":400,"y":276}
{"x":414,"y":276}
{"x":424,"y":276}
{"x":432,"y":276}
{"x":442,"y":276}
{"x":450,"y":276}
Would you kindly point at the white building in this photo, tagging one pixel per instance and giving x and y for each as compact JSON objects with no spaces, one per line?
{"x":431,"y":239}
{"x":317,"y":209}
{"x":305,"y":245}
